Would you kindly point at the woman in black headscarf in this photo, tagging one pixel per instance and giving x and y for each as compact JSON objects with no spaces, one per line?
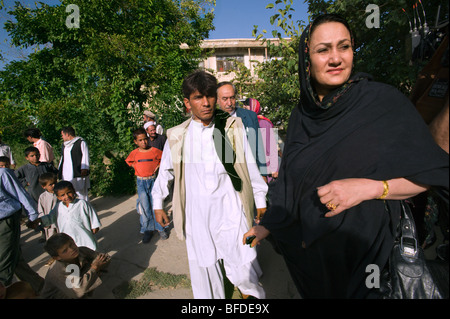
{"x":354,"y":148}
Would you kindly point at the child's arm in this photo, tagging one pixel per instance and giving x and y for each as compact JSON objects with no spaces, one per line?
{"x":93,"y":218}
{"x":41,"y":210}
{"x":130,"y":159}
{"x":50,"y":218}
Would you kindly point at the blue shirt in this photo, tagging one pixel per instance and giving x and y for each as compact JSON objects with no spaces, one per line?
{"x":13,"y":196}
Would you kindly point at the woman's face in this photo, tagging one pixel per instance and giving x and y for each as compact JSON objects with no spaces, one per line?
{"x":331,"y":57}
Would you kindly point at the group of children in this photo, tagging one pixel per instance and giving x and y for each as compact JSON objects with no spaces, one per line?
{"x":69,"y":225}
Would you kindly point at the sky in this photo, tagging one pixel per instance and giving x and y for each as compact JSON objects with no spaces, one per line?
{"x":233,"y":19}
{"x":236,"y":18}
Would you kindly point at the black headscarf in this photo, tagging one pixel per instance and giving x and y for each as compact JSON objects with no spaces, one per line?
{"x":363,"y":129}
{"x":224,"y":148}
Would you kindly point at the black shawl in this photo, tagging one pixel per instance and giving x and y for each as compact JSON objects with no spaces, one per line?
{"x":224,"y":148}
{"x":364,"y":129}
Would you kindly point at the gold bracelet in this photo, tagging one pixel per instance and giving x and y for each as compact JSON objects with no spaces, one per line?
{"x":386,"y":190}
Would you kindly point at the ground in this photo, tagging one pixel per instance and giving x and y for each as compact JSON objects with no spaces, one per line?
{"x":157,"y":270}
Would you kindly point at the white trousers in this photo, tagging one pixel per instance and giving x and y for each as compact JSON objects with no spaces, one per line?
{"x":81,"y":185}
{"x":208,"y":282}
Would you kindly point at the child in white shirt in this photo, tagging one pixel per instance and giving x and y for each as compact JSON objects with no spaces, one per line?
{"x":47,"y":200}
{"x":73,"y":216}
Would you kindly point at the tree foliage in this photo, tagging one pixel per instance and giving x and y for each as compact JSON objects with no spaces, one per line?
{"x":98,"y":76}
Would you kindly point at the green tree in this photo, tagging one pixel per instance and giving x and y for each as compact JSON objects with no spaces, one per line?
{"x":95,"y":68}
{"x":277,"y":87}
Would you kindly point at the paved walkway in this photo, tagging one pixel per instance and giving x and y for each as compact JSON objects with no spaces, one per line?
{"x":119,"y":236}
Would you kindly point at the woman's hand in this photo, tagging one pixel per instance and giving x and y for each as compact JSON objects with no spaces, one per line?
{"x":346,"y":193}
{"x":260,"y":232}
{"x":343,"y":194}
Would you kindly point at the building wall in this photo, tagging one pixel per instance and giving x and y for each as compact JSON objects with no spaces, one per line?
{"x":247,"y":49}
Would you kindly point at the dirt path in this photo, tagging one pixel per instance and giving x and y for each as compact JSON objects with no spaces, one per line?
{"x":119,"y":236}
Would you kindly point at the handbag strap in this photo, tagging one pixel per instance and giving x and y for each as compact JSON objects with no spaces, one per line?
{"x":408,"y":240}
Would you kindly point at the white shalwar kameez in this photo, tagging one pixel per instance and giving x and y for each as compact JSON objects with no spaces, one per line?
{"x":215,"y":220}
{"x":81,"y":184}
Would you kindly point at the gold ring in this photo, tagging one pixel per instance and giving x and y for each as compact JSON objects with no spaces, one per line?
{"x":332,"y":206}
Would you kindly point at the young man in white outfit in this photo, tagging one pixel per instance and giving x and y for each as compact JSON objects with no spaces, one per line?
{"x":213,"y":196}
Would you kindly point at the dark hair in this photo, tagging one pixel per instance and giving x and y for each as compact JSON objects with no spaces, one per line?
{"x":33,"y":132}
{"x":55,"y":242}
{"x":201,"y":81}
{"x":62,"y":185}
{"x":30,"y":149}
{"x":47,"y":177}
{"x":331,"y":17}
{"x":68,"y":130}
{"x":5,"y":159}
{"x":138,"y":132}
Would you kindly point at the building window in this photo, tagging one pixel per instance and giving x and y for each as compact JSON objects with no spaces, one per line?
{"x":228,"y":63}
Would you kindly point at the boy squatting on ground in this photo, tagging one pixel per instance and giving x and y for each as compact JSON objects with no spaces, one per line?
{"x":47,"y":200}
{"x":73,"y":216}
{"x":75,"y":273}
{"x":28,"y":174}
{"x":145,"y":160}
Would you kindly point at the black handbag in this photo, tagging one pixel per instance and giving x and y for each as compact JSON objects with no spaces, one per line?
{"x":408,"y":275}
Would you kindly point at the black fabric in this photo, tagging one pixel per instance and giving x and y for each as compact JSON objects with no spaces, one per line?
{"x":76,"y":155}
{"x":225,"y":149}
{"x":364,"y":129}
{"x":408,"y":275}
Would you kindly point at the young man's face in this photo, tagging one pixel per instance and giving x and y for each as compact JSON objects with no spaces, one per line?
{"x":141,"y":141}
{"x":33,"y":158}
{"x":65,"y":136}
{"x":66,"y":195}
{"x":4,"y":165}
{"x":201,"y":107}
{"x":49,"y":186}
{"x":68,"y":252}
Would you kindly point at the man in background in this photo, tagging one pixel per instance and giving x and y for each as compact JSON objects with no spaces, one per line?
{"x":226,"y":99}
{"x":74,"y":164}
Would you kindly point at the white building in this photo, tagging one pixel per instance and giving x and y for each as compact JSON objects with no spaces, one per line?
{"x":223,"y":53}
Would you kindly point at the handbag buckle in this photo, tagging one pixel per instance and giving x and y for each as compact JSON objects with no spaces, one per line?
{"x":408,"y":246}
